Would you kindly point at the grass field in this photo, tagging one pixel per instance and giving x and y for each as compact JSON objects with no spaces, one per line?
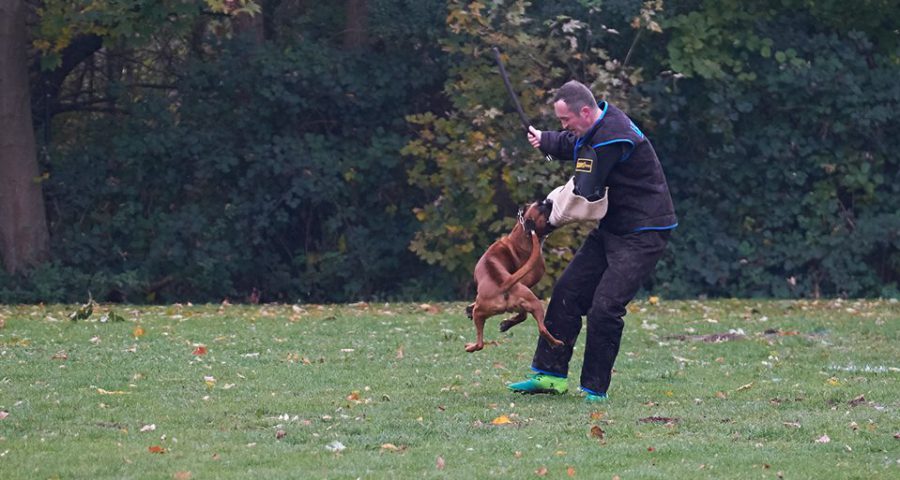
{"x":712,"y":389}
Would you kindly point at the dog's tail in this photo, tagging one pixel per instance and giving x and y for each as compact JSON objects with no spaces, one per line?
{"x":529,"y":264}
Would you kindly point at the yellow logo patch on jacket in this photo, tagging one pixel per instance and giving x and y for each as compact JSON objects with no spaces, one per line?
{"x":585,"y":165}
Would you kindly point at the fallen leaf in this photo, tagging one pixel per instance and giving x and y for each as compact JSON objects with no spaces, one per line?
{"x":111,"y":392}
{"x":541,"y":471}
{"x":854,"y":426}
{"x":216,"y":457}
{"x":200,"y":350}
{"x":823,"y":439}
{"x":156,"y":449}
{"x":517,"y":454}
{"x":897,"y":435}
{"x":429,"y":308}
{"x":3,"y":414}
{"x":400,"y":352}
{"x":335,"y":446}
{"x":60,"y":355}
{"x":597,"y":415}
{"x":651,"y":449}
{"x":148,"y":428}
{"x":390,"y":447}
{"x":658,"y":420}
{"x":745,"y":387}
{"x":597,"y":432}
{"x":570,"y":471}
{"x":791,"y":424}
{"x":138,"y":331}
{"x":354,"y":396}
{"x":182,"y":475}
{"x":501,"y":420}
{"x":653,"y":300}
{"x":857,"y":401}
{"x":439,"y":463}
{"x":721,"y":395}
{"x":279,"y":434}
{"x":833,"y":382}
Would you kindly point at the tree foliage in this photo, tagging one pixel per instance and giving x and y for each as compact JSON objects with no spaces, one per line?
{"x":368,"y":149}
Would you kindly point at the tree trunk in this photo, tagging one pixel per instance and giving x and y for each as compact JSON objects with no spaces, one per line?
{"x":356,"y":31}
{"x":24,"y":238}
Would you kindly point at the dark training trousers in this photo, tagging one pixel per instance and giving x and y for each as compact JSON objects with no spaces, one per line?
{"x":604,"y":276}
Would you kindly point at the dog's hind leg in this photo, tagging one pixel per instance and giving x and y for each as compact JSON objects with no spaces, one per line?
{"x":478,"y":318}
{"x":513,"y":321}
{"x":531,"y":304}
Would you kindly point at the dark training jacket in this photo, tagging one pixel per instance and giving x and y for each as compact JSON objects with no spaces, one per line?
{"x":616,"y":153}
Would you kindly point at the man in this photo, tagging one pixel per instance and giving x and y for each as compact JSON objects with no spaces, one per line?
{"x":617,"y":256}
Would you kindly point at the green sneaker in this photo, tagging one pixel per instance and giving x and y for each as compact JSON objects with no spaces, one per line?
{"x":540,"y":383}
{"x":593,"y":397}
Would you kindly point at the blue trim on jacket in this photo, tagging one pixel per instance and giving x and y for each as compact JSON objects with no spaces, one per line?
{"x":668,"y":227}
{"x":618,"y":140}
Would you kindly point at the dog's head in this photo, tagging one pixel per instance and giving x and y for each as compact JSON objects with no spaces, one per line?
{"x":536,"y":217}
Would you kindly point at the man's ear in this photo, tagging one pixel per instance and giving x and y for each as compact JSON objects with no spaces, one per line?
{"x":586,"y":112}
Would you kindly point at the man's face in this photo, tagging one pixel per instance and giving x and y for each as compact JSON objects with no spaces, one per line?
{"x":578,"y":122}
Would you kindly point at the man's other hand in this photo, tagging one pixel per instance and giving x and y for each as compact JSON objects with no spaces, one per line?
{"x":534,"y":137}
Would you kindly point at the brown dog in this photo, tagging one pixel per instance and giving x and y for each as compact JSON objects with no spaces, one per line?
{"x":506,"y":272}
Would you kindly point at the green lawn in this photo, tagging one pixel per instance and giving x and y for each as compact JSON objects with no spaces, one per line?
{"x":393,"y":385}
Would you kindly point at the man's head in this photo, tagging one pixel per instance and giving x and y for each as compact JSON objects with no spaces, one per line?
{"x":575,"y":107}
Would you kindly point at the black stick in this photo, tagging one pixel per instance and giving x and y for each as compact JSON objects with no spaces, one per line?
{"x":512,"y":95}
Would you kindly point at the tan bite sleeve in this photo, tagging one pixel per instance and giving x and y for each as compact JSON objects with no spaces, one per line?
{"x":569,"y":207}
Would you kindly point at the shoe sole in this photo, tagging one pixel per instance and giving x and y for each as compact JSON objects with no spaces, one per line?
{"x":542,"y":391}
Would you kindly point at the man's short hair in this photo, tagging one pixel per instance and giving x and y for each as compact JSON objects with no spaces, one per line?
{"x":575,"y":95}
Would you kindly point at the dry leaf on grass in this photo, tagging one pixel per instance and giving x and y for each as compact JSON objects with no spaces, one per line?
{"x":501,"y":420}
{"x":156,"y":449}
{"x":745,"y":387}
{"x":138,"y":331}
{"x":390,"y":447}
{"x":182,"y":475}
{"x":439,"y":463}
{"x":279,"y":434}
{"x":823,"y":439}
{"x":3,"y":414}
{"x":200,"y":350}
{"x":541,"y":471}
{"x":597,"y":415}
{"x":570,"y":471}
{"x":597,"y":432}
{"x":666,"y":420}
{"x":111,"y":392}
{"x":857,"y":401}
{"x":60,"y":355}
